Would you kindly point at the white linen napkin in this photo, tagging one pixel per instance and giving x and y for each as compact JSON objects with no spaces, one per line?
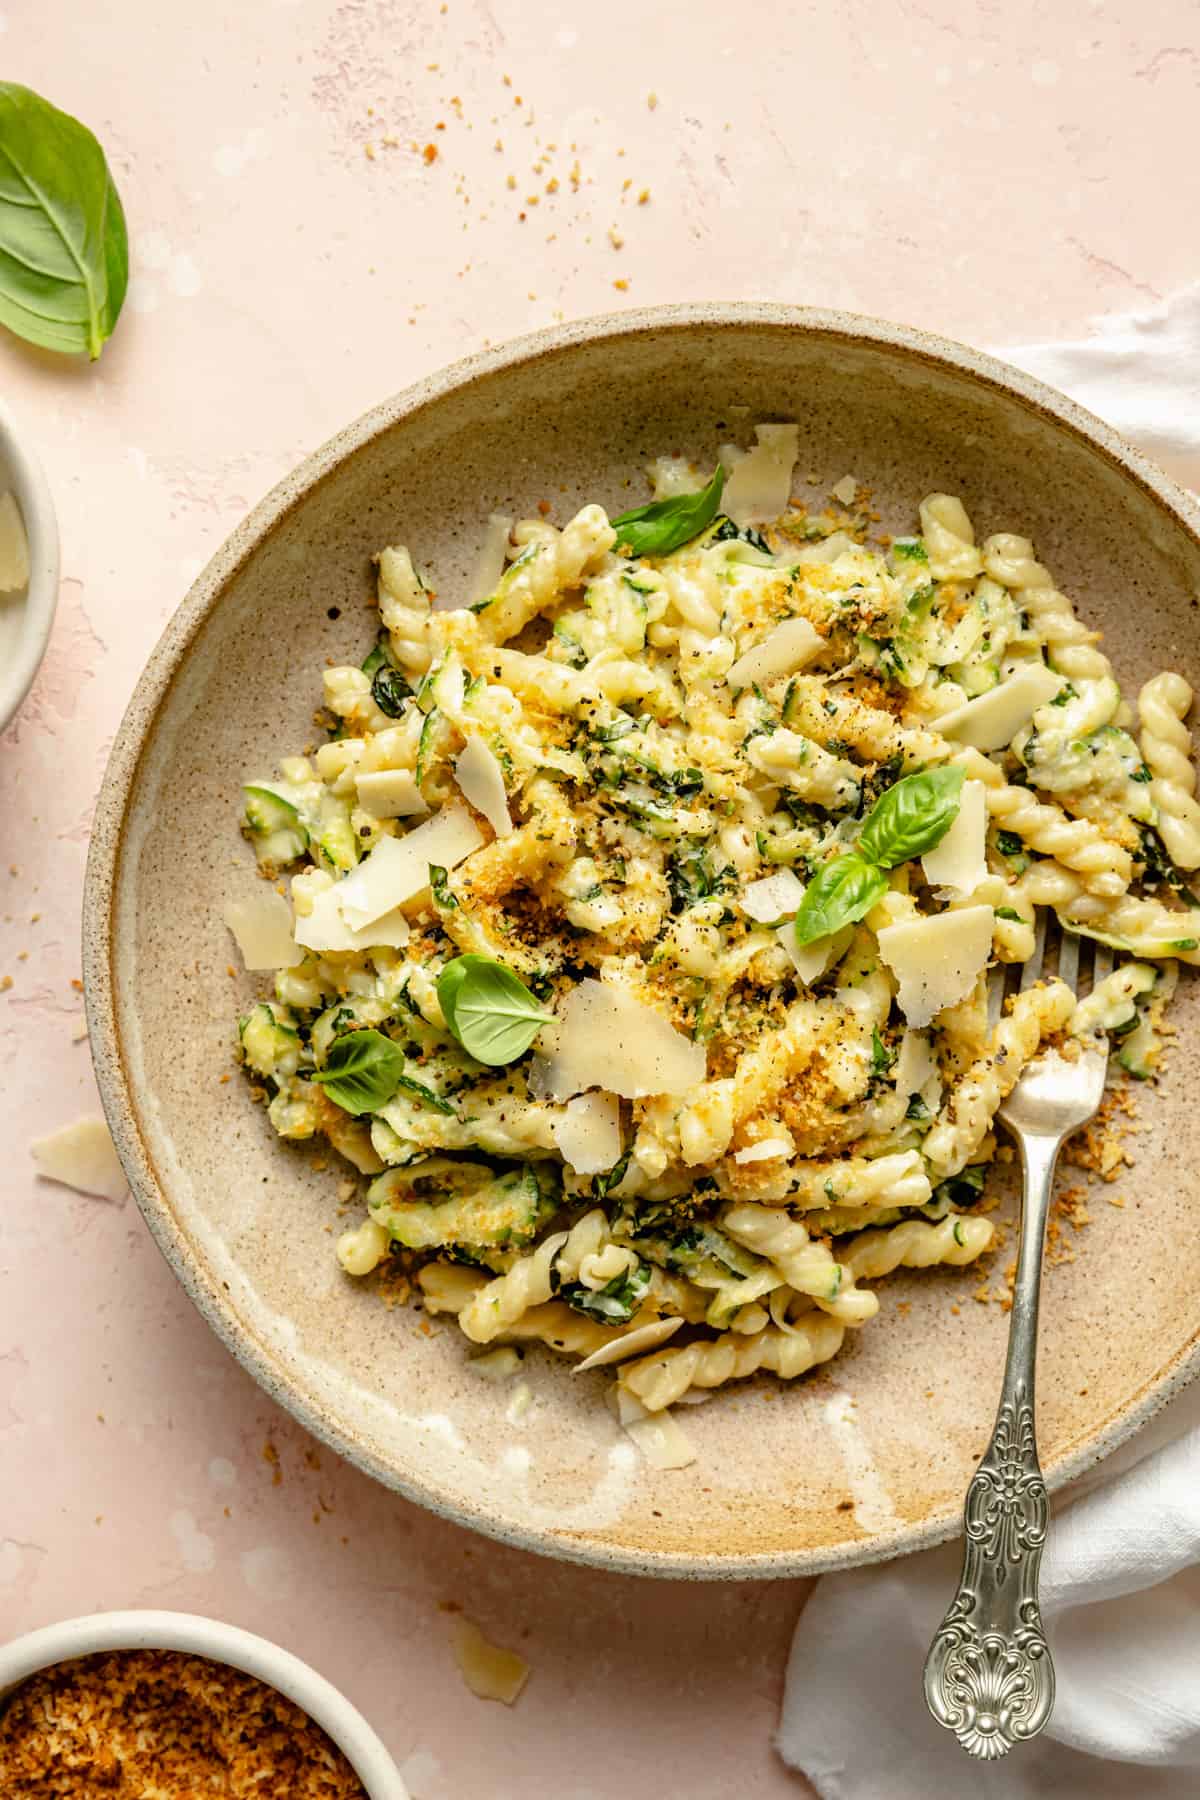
{"x":1121,"y":1576}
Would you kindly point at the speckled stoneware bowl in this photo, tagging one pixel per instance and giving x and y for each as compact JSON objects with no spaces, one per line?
{"x":787,"y":1481}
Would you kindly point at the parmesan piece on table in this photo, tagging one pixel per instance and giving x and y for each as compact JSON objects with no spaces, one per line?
{"x":488,"y":1670}
{"x":82,"y":1156}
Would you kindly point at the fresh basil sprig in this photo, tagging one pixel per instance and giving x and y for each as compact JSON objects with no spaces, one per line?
{"x":910,"y":817}
{"x":488,"y":1009}
{"x":64,"y":252}
{"x":660,"y":527}
{"x":838,"y":894}
{"x":907,"y":820}
{"x":362,"y":1071}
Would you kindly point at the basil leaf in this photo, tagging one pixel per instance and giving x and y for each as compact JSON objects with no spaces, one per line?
{"x":613,"y":1304}
{"x":450,"y":980}
{"x":911,"y":817}
{"x":362,"y":1071}
{"x":389,"y":690}
{"x":492,"y":1014}
{"x":426,"y":1095}
{"x":660,"y":527}
{"x":64,"y":253}
{"x":838,"y":894}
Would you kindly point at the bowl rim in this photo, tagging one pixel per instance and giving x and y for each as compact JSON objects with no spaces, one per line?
{"x":262,"y":1360}
{"x":31,"y":491}
{"x":198,"y":1635}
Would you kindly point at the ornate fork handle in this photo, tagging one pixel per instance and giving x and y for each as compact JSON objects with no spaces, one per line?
{"x":988,"y":1677}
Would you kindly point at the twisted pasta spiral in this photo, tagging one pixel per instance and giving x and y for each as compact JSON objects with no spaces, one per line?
{"x":1071,"y":648}
{"x":453,"y":1290}
{"x":530,"y":1282}
{"x":658,"y":1381}
{"x":1009,"y":560}
{"x":1166,"y":745}
{"x":965,"y":1120}
{"x":1078,"y":844}
{"x":807,"y":1265}
{"x":1145,"y":927}
{"x":917,"y":1244}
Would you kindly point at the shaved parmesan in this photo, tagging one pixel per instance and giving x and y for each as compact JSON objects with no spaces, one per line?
{"x":673,"y":475}
{"x":766,"y":1150}
{"x":489,"y":1671}
{"x":937,"y":961}
{"x":390,"y":794}
{"x":774,"y":897}
{"x":82,"y":1156}
{"x":845,"y":489}
{"x":660,"y":1437}
{"x":324,"y":928}
{"x":397,"y":869}
{"x":791,"y":645}
{"x":14,"y":547}
{"x":491,"y":561}
{"x":630,"y":1343}
{"x":262,"y":928}
{"x":915,"y":1064}
{"x":603,"y":1037}
{"x":760,"y":480}
{"x":959,"y":861}
{"x":479,"y":776}
{"x":588,"y":1134}
{"x":992,"y":720}
{"x":812,"y":960}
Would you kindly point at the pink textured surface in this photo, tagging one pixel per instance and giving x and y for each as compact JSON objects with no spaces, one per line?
{"x":992,"y":173}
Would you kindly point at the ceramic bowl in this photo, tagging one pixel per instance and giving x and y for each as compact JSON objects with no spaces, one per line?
{"x":787,"y":1481}
{"x":25,"y":619}
{"x":197,"y":1636}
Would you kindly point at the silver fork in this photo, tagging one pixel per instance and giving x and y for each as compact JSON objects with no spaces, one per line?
{"x":988,"y":1677}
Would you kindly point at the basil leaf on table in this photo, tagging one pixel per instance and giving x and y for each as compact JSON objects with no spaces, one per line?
{"x":64,"y":252}
{"x":362,"y":1071}
{"x":838,"y":894}
{"x":488,"y":1009}
{"x":911,"y":817}
{"x":663,"y":525}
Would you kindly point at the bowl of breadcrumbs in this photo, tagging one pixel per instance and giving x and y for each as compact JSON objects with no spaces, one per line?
{"x":134,"y":1704}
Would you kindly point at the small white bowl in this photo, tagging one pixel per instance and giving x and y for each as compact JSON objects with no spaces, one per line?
{"x":25,"y":619}
{"x":197,"y":1636}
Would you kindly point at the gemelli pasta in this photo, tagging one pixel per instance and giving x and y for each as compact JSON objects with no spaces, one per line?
{"x":642,"y":914}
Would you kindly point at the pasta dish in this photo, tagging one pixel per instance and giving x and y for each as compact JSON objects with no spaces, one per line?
{"x":637,"y":938}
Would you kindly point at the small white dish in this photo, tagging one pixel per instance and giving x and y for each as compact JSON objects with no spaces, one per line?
{"x":197,"y":1636}
{"x":25,"y":619}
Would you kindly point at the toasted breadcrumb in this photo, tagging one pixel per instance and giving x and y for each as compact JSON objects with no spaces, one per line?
{"x":131,"y":1724}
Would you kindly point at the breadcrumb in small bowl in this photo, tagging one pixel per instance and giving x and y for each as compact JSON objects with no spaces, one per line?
{"x":167,"y":1702}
